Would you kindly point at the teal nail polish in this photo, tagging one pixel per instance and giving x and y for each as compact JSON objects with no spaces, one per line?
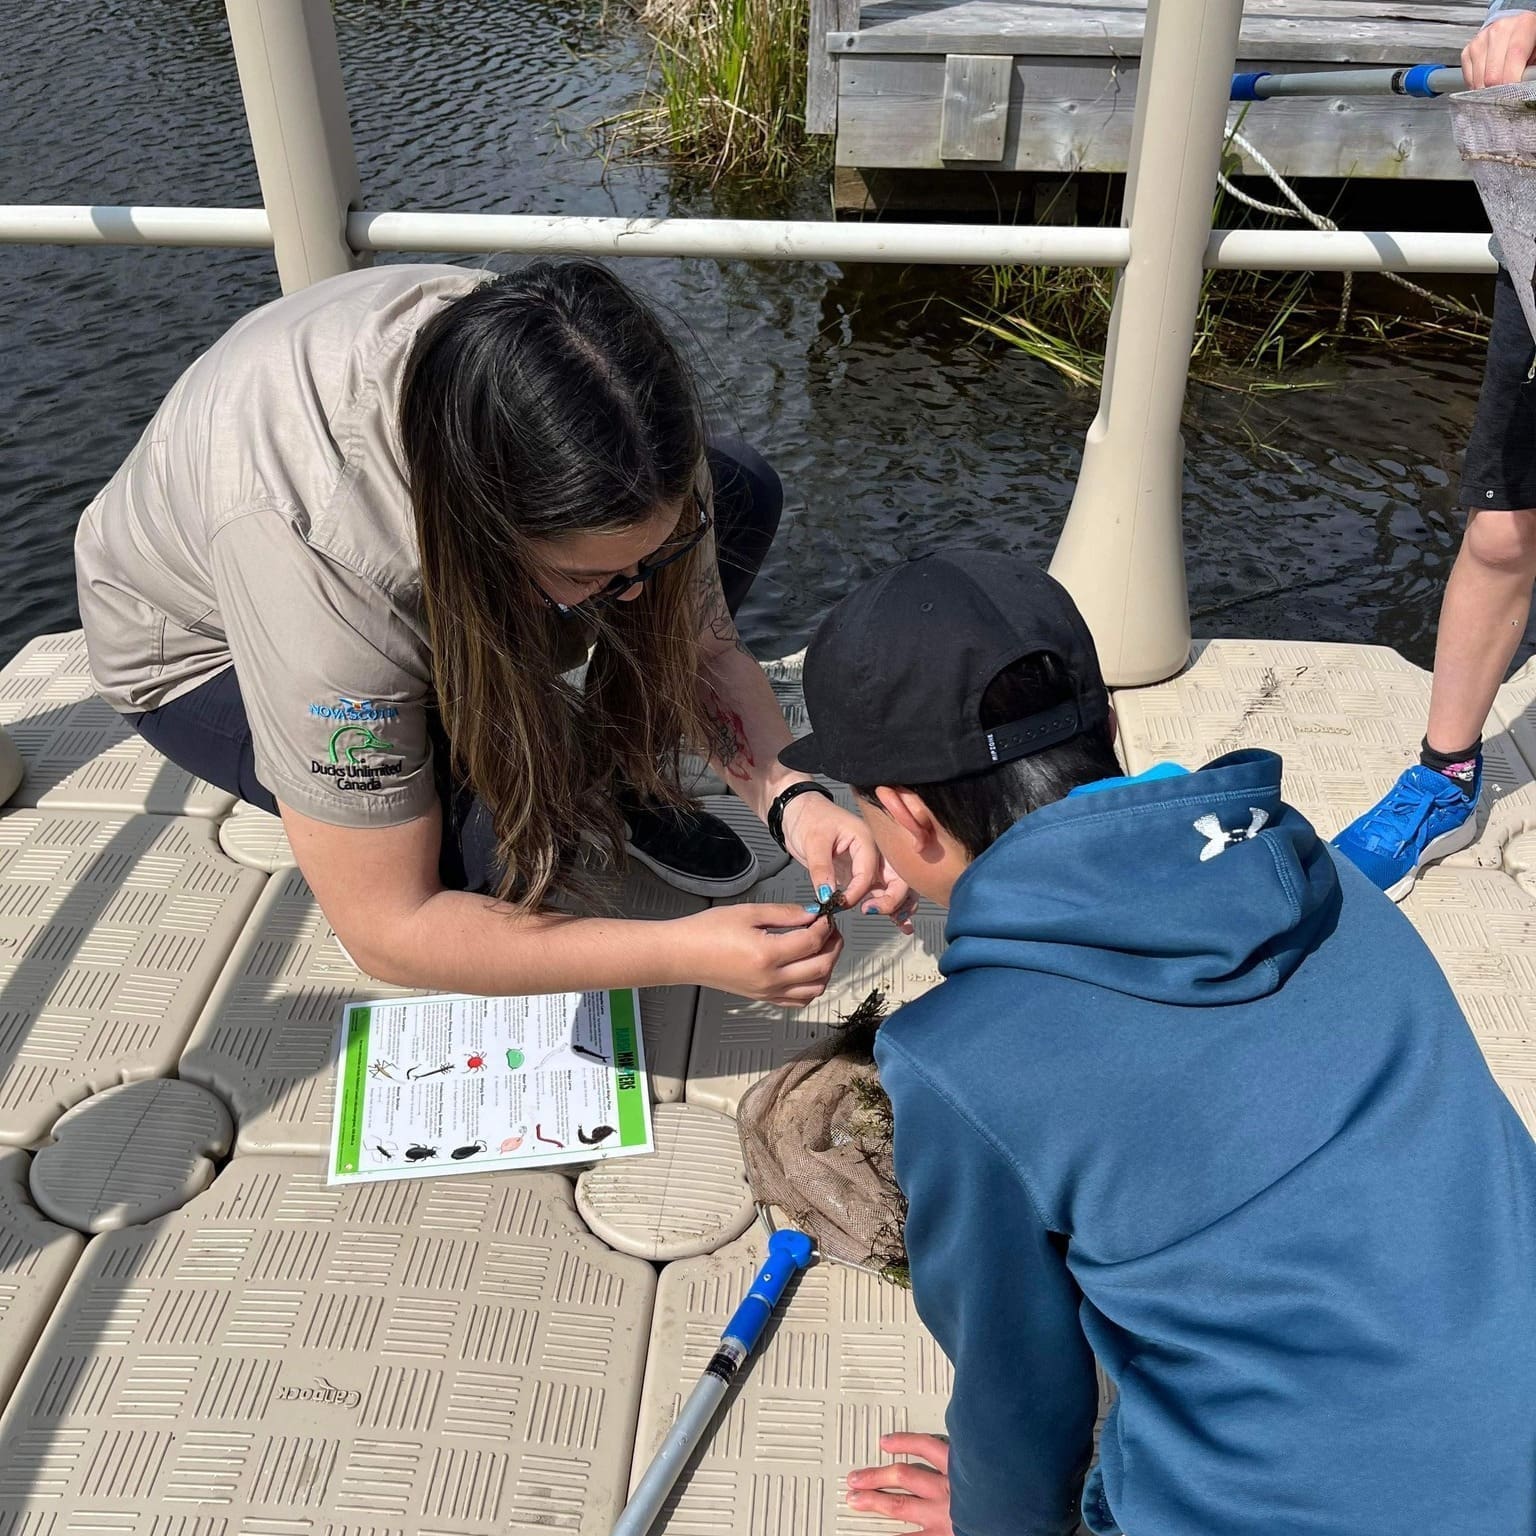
{"x":811,"y":907}
{"x":825,"y":892}
{"x":871,"y":910}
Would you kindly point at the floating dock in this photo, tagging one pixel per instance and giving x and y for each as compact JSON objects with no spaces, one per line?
{"x":1046,"y":87}
{"x":203,"y":1339}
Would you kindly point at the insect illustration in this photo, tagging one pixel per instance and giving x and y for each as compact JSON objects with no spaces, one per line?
{"x":384,"y":1150}
{"x":550,"y":1141}
{"x":416,"y":1072}
{"x":416,"y":1153}
{"x":582,"y":1050}
{"x":460,"y":1153}
{"x":599,"y":1133}
{"x":515,"y":1058}
{"x":474,"y":1062}
{"x":512,"y":1143}
{"x":382,"y":1068}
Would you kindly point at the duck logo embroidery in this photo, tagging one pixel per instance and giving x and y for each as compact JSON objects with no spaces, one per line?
{"x":1218,"y":839}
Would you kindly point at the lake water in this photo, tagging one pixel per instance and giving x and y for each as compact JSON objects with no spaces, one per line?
{"x":1326,"y":515}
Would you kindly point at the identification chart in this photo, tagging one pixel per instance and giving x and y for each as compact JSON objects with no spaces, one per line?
{"x":432,"y":1085}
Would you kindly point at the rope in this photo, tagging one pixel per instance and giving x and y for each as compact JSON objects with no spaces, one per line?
{"x":1320,"y":221}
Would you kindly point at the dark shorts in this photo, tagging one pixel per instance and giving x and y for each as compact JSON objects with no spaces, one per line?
{"x":207,"y":732}
{"x":1500,"y":467}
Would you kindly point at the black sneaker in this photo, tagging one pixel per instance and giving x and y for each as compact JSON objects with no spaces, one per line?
{"x":692,"y":851}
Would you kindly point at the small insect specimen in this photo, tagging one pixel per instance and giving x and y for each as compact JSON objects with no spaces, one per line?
{"x":460,"y":1153}
{"x":382,"y":1068}
{"x":415,"y":1072}
{"x":831,"y":906}
{"x":416,"y":1153}
{"x":599,"y":1133}
{"x":475,"y":1062}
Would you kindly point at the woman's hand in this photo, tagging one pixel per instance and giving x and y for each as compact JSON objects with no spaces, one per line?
{"x":840,"y":855}
{"x":773,"y":954}
{"x":921,"y":1496}
{"x":1499,"y":54}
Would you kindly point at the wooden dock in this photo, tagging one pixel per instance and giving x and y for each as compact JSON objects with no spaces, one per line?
{"x":1049,"y":86}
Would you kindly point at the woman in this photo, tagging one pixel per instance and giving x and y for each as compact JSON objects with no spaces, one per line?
{"x":348,"y":573}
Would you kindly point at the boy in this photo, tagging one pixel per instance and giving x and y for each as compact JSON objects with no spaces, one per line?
{"x":1192,"y":1098}
{"x":1431,"y":811}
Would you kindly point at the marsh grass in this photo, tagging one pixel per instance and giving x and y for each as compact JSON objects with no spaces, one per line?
{"x":726,"y":94}
{"x":1255,"y":332}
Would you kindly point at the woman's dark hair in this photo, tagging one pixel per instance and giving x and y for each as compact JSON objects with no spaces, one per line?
{"x":977,"y":809}
{"x":546,"y":403}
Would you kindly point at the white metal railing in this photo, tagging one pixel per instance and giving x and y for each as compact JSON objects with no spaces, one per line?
{"x":1121,"y":551}
{"x":751,"y":239}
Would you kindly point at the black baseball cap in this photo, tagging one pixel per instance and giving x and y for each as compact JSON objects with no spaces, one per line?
{"x":895,"y":675}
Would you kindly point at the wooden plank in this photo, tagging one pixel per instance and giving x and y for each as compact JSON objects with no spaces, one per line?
{"x":1076,"y":116}
{"x":827,"y":16}
{"x":1322,"y":31}
{"x":974,"y":116}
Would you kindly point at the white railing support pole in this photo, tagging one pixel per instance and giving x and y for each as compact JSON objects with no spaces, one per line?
{"x":1121,"y":553}
{"x":290,"y":77}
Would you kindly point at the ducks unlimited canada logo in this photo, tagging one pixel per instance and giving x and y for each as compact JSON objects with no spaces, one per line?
{"x":355,"y":760}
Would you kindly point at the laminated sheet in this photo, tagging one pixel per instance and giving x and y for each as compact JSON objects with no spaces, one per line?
{"x":113,"y":930}
{"x":845,"y":1361}
{"x":77,"y":752}
{"x":453,"y":1357}
{"x":1346,"y":719}
{"x":36,"y":1257}
{"x":266,"y":1041}
{"x":689,"y":1197}
{"x":737,"y":1041}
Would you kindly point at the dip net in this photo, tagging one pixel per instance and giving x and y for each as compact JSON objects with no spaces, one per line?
{"x":1496,"y":134}
{"x":816,"y":1137}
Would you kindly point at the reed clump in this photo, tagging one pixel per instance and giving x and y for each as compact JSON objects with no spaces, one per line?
{"x":726,"y":95}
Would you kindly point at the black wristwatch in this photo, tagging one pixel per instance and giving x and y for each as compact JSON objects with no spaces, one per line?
{"x":782,"y":799}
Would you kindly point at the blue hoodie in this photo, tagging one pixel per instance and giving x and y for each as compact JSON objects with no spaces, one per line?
{"x":1220,"y":1123}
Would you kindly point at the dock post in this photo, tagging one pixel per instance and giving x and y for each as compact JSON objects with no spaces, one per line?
{"x":296,"y":106}
{"x":1121,"y":552}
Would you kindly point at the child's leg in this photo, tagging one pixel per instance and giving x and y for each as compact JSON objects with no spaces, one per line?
{"x":1482,"y":621}
{"x":1429,"y":812}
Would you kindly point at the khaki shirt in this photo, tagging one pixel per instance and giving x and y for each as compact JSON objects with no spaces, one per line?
{"x":263,"y":521}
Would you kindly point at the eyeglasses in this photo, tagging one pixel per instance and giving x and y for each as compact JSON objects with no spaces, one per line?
{"x":645,"y":569}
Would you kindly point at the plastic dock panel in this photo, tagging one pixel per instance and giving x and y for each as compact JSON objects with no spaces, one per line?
{"x":1347,"y":719}
{"x":36,"y":1258}
{"x":445,"y":1358}
{"x":78,"y":753}
{"x":845,"y":1361}
{"x":690,"y":1197}
{"x":112,"y":933}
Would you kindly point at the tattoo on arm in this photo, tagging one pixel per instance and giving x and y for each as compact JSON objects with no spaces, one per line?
{"x":714,"y":616}
{"x":728,"y":739}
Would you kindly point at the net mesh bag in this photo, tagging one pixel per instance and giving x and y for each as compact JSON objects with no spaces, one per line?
{"x":1496,"y":134}
{"x":816,"y":1138}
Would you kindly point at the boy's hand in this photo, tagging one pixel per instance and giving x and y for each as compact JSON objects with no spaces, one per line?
{"x":1500,"y":53}
{"x":922,"y":1496}
{"x":837,"y":850}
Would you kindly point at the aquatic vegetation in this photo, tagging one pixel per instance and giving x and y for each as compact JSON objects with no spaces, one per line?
{"x":727,"y":88}
{"x":1255,"y":332}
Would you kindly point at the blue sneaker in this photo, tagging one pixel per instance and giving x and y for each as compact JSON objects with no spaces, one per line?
{"x":1423,"y":817}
